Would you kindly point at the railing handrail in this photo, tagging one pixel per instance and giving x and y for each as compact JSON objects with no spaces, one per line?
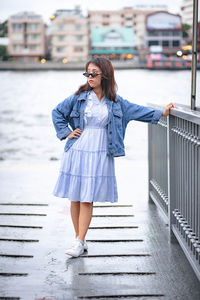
{"x":181,"y":111}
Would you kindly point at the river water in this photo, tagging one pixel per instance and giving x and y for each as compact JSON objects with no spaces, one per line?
{"x":27,"y":99}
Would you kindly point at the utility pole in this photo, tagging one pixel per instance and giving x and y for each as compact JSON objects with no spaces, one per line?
{"x":194,"y":54}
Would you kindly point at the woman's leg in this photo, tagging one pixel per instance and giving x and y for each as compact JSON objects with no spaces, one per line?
{"x":75,"y":211}
{"x":85,"y":217}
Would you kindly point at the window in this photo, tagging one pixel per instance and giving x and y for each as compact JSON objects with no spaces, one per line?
{"x":105,"y":24}
{"x":175,"y":43}
{"x":17,"y":37}
{"x":78,"y":49}
{"x":106,"y":16}
{"x":77,"y":27}
{"x":78,"y":37}
{"x":165,"y":43}
{"x":128,"y":19}
{"x":60,"y":27}
{"x":17,"y":26}
{"x":166,"y":33}
{"x":33,"y":26}
{"x":60,"y":38}
{"x":176,"y":33}
{"x":153,"y":33}
{"x":33,"y":47}
{"x":153,"y":43}
{"x":33,"y":37}
{"x":17,"y":48}
{"x":60,"y":49}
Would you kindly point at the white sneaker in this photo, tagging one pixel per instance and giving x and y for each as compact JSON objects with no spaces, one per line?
{"x":77,"y":248}
{"x":85,"y":245}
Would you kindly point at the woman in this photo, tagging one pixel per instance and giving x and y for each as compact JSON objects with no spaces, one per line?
{"x":98,"y":118}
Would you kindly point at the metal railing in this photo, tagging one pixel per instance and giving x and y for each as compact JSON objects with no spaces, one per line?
{"x":174,"y":177}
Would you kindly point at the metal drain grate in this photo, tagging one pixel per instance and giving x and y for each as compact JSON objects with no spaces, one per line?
{"x":112,"y":227}
{"x":103,"y":216}
{"x":115,"y":255}
{"x":15,"y":255}
{"x":25,"y":204}
{"x":122,"y":205}
{"x":114,"y":241}
{"x":10,"y":298}
{"x":13,"y":274}
{"x":121,"y":296}
{"x":115,"y":273}
{"x":21,"y":226}
{"x":19,"y":240}
{"x":21,"y":214}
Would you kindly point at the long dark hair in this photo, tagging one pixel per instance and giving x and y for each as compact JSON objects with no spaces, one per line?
{"x":108,"y":84}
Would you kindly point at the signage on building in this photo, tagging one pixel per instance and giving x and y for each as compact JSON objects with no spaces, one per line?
{"x":163,"y":20}
{"x":112,"y":40}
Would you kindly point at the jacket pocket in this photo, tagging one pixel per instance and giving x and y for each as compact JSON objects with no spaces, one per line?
{"x":74,"y":114}
{"x":117,"y":113}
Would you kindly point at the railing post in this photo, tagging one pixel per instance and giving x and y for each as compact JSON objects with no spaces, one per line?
{"x":171,"y":180}
{"x":149,"y":161}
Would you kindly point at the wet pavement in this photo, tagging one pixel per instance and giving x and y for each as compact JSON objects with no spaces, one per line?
{"x":129,"y":255}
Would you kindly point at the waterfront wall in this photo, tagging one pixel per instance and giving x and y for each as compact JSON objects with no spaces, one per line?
{"x":118,"y":65}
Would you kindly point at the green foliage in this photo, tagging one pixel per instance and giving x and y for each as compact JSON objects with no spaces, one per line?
{"x":4,"y":29}
{"x":185,"y":30}
{"x":3,"y":51}
{"x":4,"y":54}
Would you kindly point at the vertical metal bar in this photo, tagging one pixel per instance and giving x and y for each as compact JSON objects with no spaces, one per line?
{"x":198,"y":181}
{"x":171,"y":174}
{"x":194,"y":54}
{"x":149,"y":158}
{"x":187,"y":173}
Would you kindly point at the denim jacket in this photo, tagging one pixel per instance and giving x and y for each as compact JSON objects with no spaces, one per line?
{"x":71,"y":112}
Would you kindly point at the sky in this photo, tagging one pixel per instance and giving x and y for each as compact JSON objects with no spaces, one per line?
{"x":47,"y":7}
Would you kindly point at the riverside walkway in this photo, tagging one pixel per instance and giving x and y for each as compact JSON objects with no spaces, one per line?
{"x":129,"y":256}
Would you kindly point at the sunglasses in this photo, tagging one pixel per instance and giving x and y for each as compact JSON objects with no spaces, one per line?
{"x":86,"y":74}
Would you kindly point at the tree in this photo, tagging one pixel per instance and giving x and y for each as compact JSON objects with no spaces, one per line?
{"x":185,"y":30}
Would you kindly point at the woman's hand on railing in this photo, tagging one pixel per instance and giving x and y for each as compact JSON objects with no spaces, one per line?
{"x":166,"y":111}
{"x":76,"y":133}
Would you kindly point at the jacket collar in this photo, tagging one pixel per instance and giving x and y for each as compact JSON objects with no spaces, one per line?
{"x":83,"y":96}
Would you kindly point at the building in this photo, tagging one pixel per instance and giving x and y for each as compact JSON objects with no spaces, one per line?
{"x":69,"y":36}
{"x":187,"y":12}
{"x":165,"y":30}
{"x":26,"y":33}
{"x":127,"y":17}
{"x":113,"y":43}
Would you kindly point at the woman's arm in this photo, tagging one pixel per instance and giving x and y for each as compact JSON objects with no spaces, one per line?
{"x":60,"y":118}
{"x":142,"y":113}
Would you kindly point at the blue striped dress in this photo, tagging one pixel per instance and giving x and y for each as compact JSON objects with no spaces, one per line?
{"x":87,"y":173}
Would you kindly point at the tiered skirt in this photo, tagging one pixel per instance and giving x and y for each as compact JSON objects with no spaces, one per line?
{"x":87,"y":173}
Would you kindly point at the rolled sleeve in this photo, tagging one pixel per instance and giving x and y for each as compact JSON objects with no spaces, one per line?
{"x":60,"y":118}
{"x":156,"y":116}
{"x":62,"y":134}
